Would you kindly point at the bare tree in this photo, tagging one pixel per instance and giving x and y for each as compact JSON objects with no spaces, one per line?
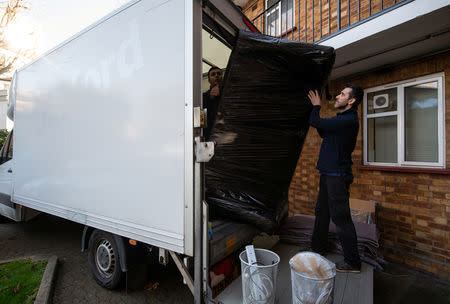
{"x":8,"y":56}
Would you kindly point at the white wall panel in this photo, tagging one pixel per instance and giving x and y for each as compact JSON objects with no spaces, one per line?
{"x":100,"y":126}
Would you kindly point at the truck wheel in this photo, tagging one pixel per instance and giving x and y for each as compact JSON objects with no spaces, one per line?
{"x":103,"y":258}
{"x":4,"y":220}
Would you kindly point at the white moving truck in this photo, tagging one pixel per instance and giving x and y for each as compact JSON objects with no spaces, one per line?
{"x":106,"y":134}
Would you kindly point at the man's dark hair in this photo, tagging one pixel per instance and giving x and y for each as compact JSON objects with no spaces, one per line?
{"x":356,"y":93}
{"x":213,"y":68}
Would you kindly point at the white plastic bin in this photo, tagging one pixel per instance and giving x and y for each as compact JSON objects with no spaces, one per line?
{"x":259,"y":281}
{"x":312,"y":278}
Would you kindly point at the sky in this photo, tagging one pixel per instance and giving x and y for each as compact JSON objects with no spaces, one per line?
{"x":53,"y":21}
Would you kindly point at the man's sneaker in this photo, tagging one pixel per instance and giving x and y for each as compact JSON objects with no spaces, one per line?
{"x":343,"y":266}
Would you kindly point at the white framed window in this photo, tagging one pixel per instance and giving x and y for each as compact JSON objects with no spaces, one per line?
{"x":280,"y":17}
{"x":404,"y":123}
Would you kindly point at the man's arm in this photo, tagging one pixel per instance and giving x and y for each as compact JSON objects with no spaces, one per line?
{"x":315,"y":113}
{"x":328,"y":124}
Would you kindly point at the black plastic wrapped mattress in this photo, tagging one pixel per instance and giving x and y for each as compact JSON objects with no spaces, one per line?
{"x":260,"y":126}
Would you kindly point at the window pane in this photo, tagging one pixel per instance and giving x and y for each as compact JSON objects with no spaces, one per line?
{"x":273,"y":24}
{"x":382,"y":101}
{"x":284,"y":10}
{"x":11,"y":146}
{"x":421,"y":122}
{"x":382,"y":139}
{"x":286,"y":15}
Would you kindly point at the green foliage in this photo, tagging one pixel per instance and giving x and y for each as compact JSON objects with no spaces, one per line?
{"x":20,"y":281}
{"x":3,"y":135}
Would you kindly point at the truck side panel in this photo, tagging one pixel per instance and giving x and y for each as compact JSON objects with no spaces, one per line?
{"x":100,"y":133}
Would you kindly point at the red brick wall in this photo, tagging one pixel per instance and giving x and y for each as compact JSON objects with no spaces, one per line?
{"x":414,"y":208}
{"x":304,"y":27}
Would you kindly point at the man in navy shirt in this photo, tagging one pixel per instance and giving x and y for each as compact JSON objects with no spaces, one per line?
{"x":211,"y":97}
{"x":339,"y":139}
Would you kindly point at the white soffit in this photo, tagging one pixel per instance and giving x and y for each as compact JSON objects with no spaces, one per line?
{"x":388,"y":20}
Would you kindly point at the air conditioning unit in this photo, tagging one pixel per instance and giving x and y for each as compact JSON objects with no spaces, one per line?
{"x":381,"y":101}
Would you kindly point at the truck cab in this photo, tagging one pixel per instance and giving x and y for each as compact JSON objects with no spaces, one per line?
{"x":9,"y":209}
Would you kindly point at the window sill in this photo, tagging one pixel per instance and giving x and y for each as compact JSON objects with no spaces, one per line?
{"x":287,"y":32}
{"x":406,"y":170}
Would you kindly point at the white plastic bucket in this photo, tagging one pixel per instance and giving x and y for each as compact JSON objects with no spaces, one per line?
{"x":259,"y":281}
{"x":312,"y":278}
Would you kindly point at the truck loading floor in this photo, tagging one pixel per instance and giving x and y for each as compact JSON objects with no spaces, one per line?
{"x":349,"y":288}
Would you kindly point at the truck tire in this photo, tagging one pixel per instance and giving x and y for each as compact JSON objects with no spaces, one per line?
{"x":4,"y":220}
{"x":104,"y":260}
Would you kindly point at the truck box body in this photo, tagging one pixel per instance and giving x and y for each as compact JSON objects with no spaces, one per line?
{"x":103,"y":126}
{"x":104,"y":134}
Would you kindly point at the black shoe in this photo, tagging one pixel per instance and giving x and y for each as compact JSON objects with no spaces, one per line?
{"x":343,"y":266}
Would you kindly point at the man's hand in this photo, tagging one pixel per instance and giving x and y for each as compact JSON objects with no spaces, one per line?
{"x":315,"y":98}
{"x":215,"y":91}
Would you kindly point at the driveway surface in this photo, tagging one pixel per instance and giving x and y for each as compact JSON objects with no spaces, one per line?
{"x":47,"y":235}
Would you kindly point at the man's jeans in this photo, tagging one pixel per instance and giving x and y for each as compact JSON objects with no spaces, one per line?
{"x":333,"y":201}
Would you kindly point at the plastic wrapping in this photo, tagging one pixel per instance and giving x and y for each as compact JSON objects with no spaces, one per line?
{"x":312,"y":278}
{"x":260,"y":126}
{"x":259,"y":280}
